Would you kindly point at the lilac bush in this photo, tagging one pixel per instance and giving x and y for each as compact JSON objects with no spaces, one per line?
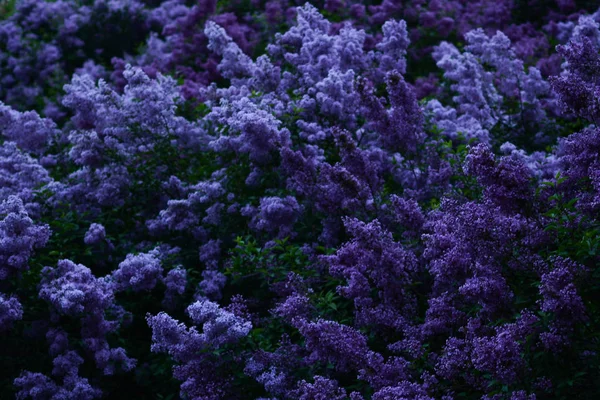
{"x":377,"y":200}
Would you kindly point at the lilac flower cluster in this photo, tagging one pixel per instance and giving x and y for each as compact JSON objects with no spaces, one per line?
{"x":20,"y":237}
{"x":189,"y":348}
{"x":378,"y":200}
{"x":72,"y":290}
{"x":10,"y":311}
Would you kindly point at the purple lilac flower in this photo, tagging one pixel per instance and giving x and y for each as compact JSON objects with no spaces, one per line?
{"x":10,"y":311}
{"x":138,"y":272}
{"x":175,"y":281}
{"x":66,"y":366}
{"x":19,"y":237}
{"x":30,"y":132}
{"x":95,"y":234}
{"x":20,"y":174}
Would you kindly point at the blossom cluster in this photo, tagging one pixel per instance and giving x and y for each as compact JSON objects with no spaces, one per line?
{"x":273,"y":200}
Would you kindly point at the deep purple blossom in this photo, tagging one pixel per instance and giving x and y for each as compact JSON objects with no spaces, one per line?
{"x":95,"y":234}
{"x":72,"y":290}
{"x":277,"y":215}
{"x":176,"y":282}
{"x":66,"y":366}
{"x":322,"y":388}
{"x":579,"y":85}
{"x":20,"y":174}
{"x":10,"y":311}
{"x":19,"y":237}
{"x":138,"y":272}
{"x":393,"y":46}
{"x":212,"y":284}
{"x":219,"y":327}
{"x":370,"y":262}
{"x":329,"y":341}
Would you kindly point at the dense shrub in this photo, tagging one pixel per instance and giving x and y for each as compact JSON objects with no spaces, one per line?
{"x":274,"y":200}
